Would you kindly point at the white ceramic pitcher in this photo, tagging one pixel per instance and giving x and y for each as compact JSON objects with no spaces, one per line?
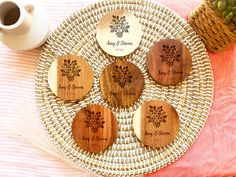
{"x":23,"y":25}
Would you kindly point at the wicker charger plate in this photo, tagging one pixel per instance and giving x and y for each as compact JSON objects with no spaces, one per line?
{"x":192,"y":98}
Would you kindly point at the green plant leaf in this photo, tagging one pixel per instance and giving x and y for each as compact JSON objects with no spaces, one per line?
{"x":228,"y":17}
{"x":221,"y":5}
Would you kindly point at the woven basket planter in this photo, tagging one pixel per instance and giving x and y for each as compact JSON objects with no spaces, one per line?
{"x":209,"y":25}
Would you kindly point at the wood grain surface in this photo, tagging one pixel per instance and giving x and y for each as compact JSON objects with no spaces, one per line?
{"x":121,"y":83}
{"x":156,"y":123}
{"x":119,"y":33}
{"x":169,"y":62}
{"x":94,"y":128}
{"x":70,"y":77}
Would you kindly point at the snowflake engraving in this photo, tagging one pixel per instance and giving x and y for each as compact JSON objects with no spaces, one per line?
{"x":119,"y":25}
{"x":70,"y":69}
{"x":170,"y":55}
{"x":156,"y":115}
{"x":94,"y":121}
{"x":122,"y":76}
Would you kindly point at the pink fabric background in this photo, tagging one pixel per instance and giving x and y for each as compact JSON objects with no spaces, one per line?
{"x":212,"y":155}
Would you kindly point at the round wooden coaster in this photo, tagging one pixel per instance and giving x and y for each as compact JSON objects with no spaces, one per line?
{"x":119,"y":33}
{"x":121,"y":83}
{"x":94,"y":128}
{"x":70,"y":77}
{"x":156,"y":123}
{"x":169,"y":62}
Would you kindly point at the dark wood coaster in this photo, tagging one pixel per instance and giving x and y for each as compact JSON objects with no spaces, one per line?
{"x":121,"y":83}
{"x":169,"y":62}
{"x":94,"y":128}
{"x":156,"y":123}
{"x":70,"y":77}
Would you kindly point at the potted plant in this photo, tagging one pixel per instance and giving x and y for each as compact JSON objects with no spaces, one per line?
{"x":215,"y":23}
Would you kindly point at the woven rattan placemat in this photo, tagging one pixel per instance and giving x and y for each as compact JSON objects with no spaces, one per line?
{"x":192,"y":98}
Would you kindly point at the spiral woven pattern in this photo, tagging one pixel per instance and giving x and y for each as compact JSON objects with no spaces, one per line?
{"x":209,"y":25}
{"x":192,"y":98}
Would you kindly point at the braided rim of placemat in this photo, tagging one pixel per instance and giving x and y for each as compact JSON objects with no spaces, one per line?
{"x":192,"y":98}
{"x":209,"y":25}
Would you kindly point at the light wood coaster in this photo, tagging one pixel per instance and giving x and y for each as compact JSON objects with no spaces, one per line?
{"x":119,"y":33}
{"x":70,"y":77}
{"x":156,"y":123}
{"x":121,"y":83}
{"x":169,"y":62}
{"x":94,"y":128}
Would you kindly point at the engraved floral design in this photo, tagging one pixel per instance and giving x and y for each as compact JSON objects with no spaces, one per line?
{"x":119,"y":25}
{"x":156,"y":115}
{"x":70,"y":69}
{"x":122,"y":76}
{"x":170,"y":55}
{"x":94,"y":121}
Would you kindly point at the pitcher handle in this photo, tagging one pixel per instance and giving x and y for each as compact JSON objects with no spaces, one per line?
{"x":29,"y":8}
